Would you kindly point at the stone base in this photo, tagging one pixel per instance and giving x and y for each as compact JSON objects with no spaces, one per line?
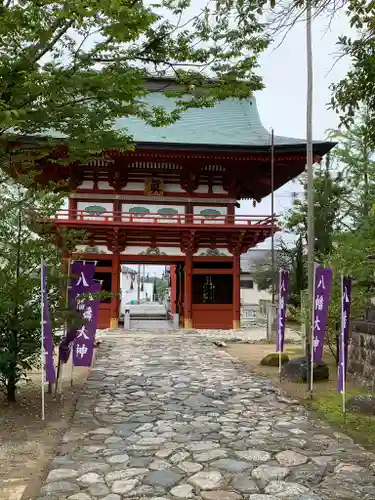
{"x":113,"y":323}
{"x":188,"y":324}
{"x":236,"y":324}
{"x":295,"y":370}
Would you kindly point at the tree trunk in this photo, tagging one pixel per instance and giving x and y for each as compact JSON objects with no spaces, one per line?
{"x":11,"y":387}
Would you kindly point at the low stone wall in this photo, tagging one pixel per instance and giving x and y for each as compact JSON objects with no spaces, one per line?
{"x":361,"y":358}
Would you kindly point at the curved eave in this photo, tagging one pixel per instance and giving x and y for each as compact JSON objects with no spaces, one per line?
{"x":319,"y":148}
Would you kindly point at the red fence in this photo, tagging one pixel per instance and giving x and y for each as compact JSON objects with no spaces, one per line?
{"x":107,"y":217}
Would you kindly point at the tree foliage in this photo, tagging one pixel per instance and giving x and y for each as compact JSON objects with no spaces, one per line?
{"x":75,"y":67}
{"x":354,"y":156}
{"x":289,"y":258}
{"x":24,"y":241}
{"x":329,"y":189}
{"x":350,"y":257}
{"x":356,"y":90}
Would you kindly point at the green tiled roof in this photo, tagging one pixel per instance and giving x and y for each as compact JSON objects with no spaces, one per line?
{"x":232,"y":122}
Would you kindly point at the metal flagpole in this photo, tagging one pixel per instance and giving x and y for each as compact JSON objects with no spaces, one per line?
{"x":278,"y":325}
{"x":42,"y":331}
{"x":60,"y":368}
{"x":342,"y":347}
{"x":311,"y":372}
{"x":71,"y":372}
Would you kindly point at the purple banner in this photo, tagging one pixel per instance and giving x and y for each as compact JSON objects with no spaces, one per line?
{"x":48,"y":346}
{"x":322,"y":294}
{"x":83,"y":348}
{"x":281,"y":317}
{"x":346,"y":295}
{"x":80,"y":283}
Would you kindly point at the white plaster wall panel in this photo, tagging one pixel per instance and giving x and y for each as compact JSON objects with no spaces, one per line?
{"x":105,"y":185}
{"x":254,"y":295}
{"x":95,"y":210}
{"x":129,"y":296}
{"x":144,"y":250}
{"x":134,"y":186}
{"x":173,"y":188}
{"x":171,"y":250}
{"x":133,"y":251}
{"x":86,"y":185}
{"x":201,"y":189}
{"x":217,"y":252}
{"x":149,"y":213}
{"x":218,"y":190}
{"x":210,"y":214}
{"x":100,"y":249}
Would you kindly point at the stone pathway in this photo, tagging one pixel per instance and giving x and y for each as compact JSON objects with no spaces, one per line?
{"x":172,"y":417}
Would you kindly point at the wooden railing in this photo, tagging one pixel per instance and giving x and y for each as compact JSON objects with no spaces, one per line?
{"x":79,"y":216}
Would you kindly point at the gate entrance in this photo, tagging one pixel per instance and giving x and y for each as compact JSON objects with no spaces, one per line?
{"x":174,"y":200}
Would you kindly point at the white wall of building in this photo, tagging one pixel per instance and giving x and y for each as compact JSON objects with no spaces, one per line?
{"x":252,"y":296}
{"x":128,"y":294}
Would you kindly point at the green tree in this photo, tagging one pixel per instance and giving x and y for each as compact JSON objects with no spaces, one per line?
{"x":350,"y":257}
{"x":329,"y":190}
{"x":75,"y":67}
{"x":354,"y":154}
{"x":24,"y":240}
{"x":356,"y":91}
{"x":292,"y":259}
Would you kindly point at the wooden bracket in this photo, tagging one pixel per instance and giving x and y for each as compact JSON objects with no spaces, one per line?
{"x":189,"y":242}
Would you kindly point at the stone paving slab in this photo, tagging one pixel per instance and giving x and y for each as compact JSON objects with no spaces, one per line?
{"x":254,"y":335}
{"x":172,"y":417}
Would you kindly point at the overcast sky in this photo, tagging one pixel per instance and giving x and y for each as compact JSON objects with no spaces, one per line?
{"x":282,"y":104}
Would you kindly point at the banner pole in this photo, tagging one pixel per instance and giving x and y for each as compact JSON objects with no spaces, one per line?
{"x":42,"y":332}
{"x":278,"y":325}
{"x":60,"y":368}
{"x":71,"y":373}
{"x":312,"y":335}
{"x":342,"y":347}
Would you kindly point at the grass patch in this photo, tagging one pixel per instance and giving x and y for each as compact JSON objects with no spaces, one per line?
{"x":328,"y":405}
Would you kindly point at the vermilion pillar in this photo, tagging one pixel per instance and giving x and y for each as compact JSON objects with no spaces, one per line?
{"x":173,"y":289}
{"x":115,"y":302}
{"x":180,"y":293}
{"x":72,"y":207}
{"x":236,"y":292}
{"x":188,"y":290}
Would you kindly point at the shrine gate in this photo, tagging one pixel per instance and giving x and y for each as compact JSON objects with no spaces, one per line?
{"x":173,"y":199}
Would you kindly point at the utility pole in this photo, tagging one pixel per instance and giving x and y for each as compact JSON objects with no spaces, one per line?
{"x":271,"y":310}
{"x":139,"y":285}
{"x":310,"y":192}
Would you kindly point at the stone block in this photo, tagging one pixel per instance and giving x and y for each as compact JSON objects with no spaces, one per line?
{"x":362,"y":404}
{"x":295,"y":370}
{"x":272,"y":359}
